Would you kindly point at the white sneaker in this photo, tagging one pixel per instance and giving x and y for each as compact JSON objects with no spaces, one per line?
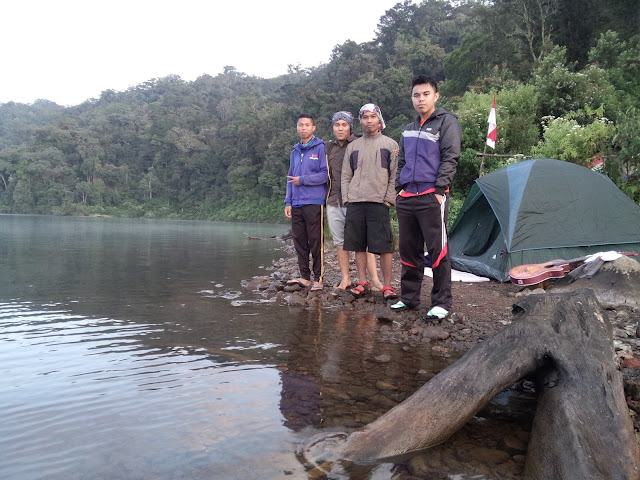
{"x":399,"y":306}
{"x":436,"y":313}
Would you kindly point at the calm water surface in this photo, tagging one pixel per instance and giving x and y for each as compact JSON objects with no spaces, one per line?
{"x":128,"y":350}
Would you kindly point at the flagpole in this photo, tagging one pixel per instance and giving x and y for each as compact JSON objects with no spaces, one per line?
{"x":484,"y":152}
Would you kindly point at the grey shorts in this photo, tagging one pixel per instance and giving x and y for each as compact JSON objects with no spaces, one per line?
{"x":336,"y":217}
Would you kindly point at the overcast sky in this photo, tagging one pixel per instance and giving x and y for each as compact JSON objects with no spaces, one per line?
{"x":68,"y":51}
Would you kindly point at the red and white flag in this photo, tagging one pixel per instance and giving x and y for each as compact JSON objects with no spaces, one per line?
{"x":492,"y":134}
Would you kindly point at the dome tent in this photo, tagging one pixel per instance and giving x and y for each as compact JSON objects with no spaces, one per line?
{"x":539,"y":210}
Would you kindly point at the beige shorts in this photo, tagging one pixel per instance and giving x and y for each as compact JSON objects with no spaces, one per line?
{"x":336,"y":217}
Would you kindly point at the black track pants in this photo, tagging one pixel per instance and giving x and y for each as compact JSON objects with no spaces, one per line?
{"x":421,"y":219}
{"x":307,"y":224}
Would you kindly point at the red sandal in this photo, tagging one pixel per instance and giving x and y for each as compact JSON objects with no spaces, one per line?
{"x":361,"y":289}
{"x":389,"y":293}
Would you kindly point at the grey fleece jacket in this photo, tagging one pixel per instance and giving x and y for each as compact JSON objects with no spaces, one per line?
{"x":369,"y":170}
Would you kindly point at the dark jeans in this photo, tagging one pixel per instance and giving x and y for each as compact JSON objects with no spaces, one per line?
{"x":307,"y":225}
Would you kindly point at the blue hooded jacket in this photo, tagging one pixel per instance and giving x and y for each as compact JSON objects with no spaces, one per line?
{"x":310,"y":164}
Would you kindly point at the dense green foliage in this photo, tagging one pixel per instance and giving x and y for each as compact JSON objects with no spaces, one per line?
{"x":567,"y":84}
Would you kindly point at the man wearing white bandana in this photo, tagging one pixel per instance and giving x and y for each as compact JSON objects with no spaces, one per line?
{"x":368,"y":176}
{"x":342,"y":122}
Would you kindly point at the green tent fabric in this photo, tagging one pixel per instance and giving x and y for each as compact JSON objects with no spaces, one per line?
{"x":540,"y":210}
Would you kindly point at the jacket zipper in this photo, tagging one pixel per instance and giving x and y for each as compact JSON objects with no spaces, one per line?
{"x":415,"y":157}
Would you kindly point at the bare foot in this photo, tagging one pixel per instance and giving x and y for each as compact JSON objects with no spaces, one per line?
{"x":344,"y":285}
{"x":377,"y":285}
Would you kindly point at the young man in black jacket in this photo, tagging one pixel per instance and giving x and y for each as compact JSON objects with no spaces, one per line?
{"x":429,"y":153}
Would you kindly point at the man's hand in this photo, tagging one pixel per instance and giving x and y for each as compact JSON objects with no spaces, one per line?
{"x":287,"y":211}
{"x":294,"y":180}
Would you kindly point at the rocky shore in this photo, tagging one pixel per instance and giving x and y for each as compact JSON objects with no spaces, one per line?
{"x":479,"y":309}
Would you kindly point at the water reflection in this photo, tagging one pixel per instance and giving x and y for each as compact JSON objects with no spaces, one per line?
{"x":340,"y":374}
{"x":301,"y":396}
{"x":85,"y":395}
{"x":331,"y":383}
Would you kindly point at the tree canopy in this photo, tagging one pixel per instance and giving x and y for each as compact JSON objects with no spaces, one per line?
{"x":567,"y":82}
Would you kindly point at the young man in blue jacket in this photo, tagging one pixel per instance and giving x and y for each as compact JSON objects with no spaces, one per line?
{"x":306,"y":193}
{"x":429,"y":153}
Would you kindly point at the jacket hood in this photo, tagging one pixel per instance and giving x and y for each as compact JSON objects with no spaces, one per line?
{"x":314,"y":141}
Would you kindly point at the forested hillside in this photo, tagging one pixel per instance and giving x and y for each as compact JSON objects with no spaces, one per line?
{"x":566,"y":75}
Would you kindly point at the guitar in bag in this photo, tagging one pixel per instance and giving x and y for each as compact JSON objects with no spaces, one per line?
{"x":533,"y":273}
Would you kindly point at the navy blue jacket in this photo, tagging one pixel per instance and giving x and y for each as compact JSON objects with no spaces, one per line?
{"x":429,"y":153}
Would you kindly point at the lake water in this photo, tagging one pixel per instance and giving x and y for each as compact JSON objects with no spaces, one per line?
{"x":128,"y":350}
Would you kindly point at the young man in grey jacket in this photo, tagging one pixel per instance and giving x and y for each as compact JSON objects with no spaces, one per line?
{"x":342,"y":122}
{"x":368,"y":175}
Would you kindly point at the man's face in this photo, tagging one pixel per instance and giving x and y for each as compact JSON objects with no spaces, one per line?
{"x":370,"y":123}
{"x":305,"y":129}
{"x":341,"y":130}
{"x":424,"y":99}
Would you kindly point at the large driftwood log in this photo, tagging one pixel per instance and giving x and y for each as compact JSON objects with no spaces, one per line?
{"x":581,"y":429}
